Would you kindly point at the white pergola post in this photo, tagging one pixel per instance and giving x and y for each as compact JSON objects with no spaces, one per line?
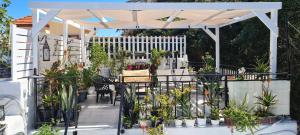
{"x":65,"y":38}
{"x":216,"y":37}
{"x":272,"y":23}
{"x":217,"y":49}
{"x":35,"y":42}
{"x":273,"y":43}
{"x":82,"y":46}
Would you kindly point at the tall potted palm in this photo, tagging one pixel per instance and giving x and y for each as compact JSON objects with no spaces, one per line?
{"x":67,"y":104}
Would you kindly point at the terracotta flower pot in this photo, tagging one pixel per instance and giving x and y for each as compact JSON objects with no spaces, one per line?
{"x":267,"y":120}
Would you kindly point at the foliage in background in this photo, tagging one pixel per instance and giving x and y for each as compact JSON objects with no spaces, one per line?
{"x":47,"y":130}
{"x":209,"y":64}
{"x":4,"y":27}
{"x":98,"y":56}
{"x":156,"y":56}
{"x":261,"y":66}
{"x":5,"y":58}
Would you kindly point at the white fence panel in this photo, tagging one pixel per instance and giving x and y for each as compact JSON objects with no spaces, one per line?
{"x":21,"y":53}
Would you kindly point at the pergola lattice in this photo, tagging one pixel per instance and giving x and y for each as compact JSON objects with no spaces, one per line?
{"x":207,"y":16}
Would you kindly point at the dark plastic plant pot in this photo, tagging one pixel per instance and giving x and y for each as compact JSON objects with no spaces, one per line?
{"x":2,"y":129}
{"x":44,"y":115}
{"x":82,"y":96}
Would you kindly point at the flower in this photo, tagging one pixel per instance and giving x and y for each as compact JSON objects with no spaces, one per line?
{"x":241,"y":70}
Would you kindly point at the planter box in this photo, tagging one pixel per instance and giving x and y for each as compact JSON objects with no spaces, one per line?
{"x":281,"y":88}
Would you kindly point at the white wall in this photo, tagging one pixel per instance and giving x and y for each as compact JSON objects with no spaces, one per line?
{"x":19,"y":92}
{"x":281,"y":88}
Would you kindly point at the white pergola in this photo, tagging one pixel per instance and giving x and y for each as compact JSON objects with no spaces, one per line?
{"x":207,"y":16}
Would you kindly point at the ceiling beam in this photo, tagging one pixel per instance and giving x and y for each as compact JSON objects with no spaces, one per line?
{"x":99,"y":18}
{"x":135,"y":18}
{"x":157,"y":6}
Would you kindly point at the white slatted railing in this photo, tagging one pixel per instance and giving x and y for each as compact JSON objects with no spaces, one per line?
{"x":143,"y":44}
{"x":22,"y":59}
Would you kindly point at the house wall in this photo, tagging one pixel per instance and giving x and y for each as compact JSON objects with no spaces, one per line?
{"x":21,"y":101}
{"x":280,"y":88}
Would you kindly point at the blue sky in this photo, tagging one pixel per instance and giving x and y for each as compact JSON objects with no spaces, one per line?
{"x":19,"y":8}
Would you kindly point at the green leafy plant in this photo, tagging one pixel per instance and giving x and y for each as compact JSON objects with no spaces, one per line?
{"x":183,"y":100}
{"x":47,"y":130}
{"x":240,"y":116}
{"x":209,"y":63}
{"x":87,"y":74}
{"x":156,"y":56}
{"x":265,"y":101}
{"x":215,"y":113}
{"x":158,"y":130}
{"x":261,"y":66}
{"x":121,"y":60}
{"x":98,"y":56}
{"x":165,"y":109}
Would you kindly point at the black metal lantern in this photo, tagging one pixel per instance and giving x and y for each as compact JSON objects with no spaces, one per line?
{"x":46,"y":51}
{"x":2,"y":113}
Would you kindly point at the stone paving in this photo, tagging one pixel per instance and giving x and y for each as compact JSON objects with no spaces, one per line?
{"x":97,"y":118}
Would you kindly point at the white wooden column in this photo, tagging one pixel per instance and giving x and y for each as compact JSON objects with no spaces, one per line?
{"x":272,"y":23}
{"x":273,"y":43}
{"x":82,"y":45}
{"x":216,"y":37}
{"x":65,"y":37}
{"x":35,"y":42}
{"x":217,"y":40}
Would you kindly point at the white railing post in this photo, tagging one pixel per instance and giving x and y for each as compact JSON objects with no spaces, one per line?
{"x":147,"y":47}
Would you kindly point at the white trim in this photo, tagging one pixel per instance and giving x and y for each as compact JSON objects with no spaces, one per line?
{"x":208,"y":32}
{"x":100,"y":20}
{"x":156,"y":6}
{"x":44,"y":21}
{"x":267,"y":21}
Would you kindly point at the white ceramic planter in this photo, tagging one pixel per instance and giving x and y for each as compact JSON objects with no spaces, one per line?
{"x":215,"y":122}
{"x":201,"y":122}
{"x":178,"y":123}
{"x":189,"y":122}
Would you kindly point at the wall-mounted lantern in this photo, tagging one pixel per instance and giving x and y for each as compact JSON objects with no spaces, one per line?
{"x":46,"y":51}
{"x":2,"y":113}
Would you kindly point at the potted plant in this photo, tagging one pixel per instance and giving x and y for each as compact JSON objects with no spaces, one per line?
{"x":201,"y":120}
{"x":261,"y":67}
{"x":47,"y":130}
{"x":182,"y":101}
{"x":68,"y":105}
{"x":265,"y":101}
{"x":178,"y":122}
{"x":165,"y":109}
{"x":98,"y":57}
{"x":47,"y":111}
{"x":215,"y":116}
{"x":239,"y":116}
{"x":85,"y":83}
